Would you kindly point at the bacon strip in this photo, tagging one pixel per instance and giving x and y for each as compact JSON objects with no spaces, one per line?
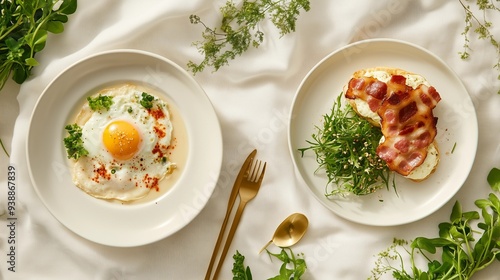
{"x":368,"y":89}
{"x":407,"y":121}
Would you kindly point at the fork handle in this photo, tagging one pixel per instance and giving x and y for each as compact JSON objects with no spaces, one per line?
{"x":230,"y":236}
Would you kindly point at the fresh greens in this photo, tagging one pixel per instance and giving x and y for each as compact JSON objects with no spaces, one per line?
{"x":293,"y":266}
{"x":240,"y":272}
{"x":24,"y":26}
{"x":147,"y":100}
{"x":494,"y":179}
{"x":74,"y":143}
{"x":345,"y":148}
{"x":468,"y":243}
{"x":482,"y":26}
{"x":100,"y":102}
{"x":239,"y":29}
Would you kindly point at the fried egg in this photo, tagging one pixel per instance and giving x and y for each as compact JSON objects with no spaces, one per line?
{"x":127,"y":144}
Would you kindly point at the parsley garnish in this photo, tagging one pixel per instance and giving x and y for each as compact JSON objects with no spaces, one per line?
{"x":100,"y":102}
{"x":74,"y":143}
{"x":147,"y":100}
{"x":240,"y":271}
{"x":239,"y":29}
{"x":345,"y":147}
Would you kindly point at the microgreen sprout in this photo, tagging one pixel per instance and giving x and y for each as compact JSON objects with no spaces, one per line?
{"x":345,"y":148}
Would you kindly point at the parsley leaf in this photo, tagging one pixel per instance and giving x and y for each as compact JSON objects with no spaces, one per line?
{"x":100,"y":102}
{"x":240,"y":272}
{"x":147,"y":100}
{"x":74,"y":143}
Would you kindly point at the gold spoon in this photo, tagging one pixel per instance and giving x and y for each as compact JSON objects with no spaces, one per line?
{"x":290,"y":231}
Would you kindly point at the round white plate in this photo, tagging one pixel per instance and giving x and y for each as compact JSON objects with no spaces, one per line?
{"x":457,"y":132}
{"x":117,"y":224}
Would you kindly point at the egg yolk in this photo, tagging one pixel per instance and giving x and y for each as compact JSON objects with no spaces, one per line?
{"x":121,"y":139}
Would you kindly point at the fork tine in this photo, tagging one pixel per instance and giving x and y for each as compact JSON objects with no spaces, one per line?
{"x":255,"y":170}
{"x":262,"y":173}
{"x":252,"y":170}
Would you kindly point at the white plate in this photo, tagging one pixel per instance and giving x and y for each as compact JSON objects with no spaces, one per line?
{"x":101,"y":221}
{"x":457,"y":124}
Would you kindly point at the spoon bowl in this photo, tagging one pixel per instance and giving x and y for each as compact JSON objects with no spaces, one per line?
{"x":290,"y":231}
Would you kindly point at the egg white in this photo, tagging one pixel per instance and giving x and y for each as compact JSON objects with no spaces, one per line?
{"x":125,"y":179}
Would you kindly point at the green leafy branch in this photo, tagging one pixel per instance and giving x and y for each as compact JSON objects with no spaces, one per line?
{"x":24,"y":26}
{"x":462,"y":253}
{"x":239,"y":29}
{"x":292,"y":267}
{"x":482,"y":27}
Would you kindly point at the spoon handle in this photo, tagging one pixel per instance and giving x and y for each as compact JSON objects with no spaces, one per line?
{"x":270,"y":241}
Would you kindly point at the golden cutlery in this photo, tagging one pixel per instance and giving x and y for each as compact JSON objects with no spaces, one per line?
{"x":248,"y":190}
{"x":232,"y":199}
{"x":290,"y":231}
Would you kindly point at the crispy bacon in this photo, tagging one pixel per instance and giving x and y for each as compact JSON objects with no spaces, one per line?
{"x":407,"y":120}
{"x":368,"y":89}
{"x":416,"y":125}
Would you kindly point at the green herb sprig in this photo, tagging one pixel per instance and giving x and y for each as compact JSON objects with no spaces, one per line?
{"x":239,"y":29}
{"x":345,"y":148}
{"x":147,"y":100}
{"x":100,"y":102}
{"x":482,"y":26}
{"x":468,"y":243}
{"x":24,"y":26}
{"x":74,"y":143}
{"x":293,"y":266}
{"x":240,"y":271}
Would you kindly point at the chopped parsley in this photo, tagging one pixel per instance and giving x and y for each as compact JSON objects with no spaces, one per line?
{"x":100,"y":102}
{"x":147,"y":100}
{"x":74,"y":143}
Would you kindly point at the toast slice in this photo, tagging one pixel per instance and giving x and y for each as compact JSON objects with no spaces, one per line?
{"x":368,"y":108}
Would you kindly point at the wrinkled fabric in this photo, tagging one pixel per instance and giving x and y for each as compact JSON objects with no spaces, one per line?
{"x":252,"y":97}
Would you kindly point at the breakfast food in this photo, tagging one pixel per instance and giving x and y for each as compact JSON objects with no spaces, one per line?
{"x":120,"y":143}
{"x":401,"y":104}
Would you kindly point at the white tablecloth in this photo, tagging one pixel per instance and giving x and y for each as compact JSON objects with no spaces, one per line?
{"x":252,"y":98}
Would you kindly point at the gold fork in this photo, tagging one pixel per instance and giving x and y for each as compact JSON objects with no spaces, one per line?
{"x":248,"y":190}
